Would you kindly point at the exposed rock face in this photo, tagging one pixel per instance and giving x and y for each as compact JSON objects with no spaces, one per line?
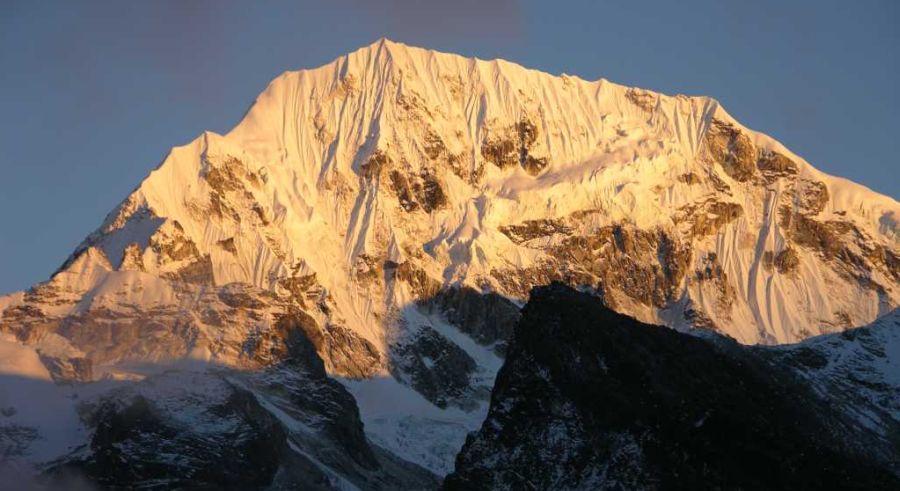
{"x":500,"y":151}
{"x":844,"y":247}
{"x":418,"y":192}
{"x":732,"y":149}
{"x":132,"y":258}
{"x":69,"y":369}
{"x":623,"y":262}
{"x":774,"y":165}
{"x":236,"y":322}
{"x":689,"y":178}
{"x":346,"y":353}
{"x":786,"y":261}
{"x":646,"y":266}
{"x":708,"y":217}
{"x":436,"y":368}
{"x":811,"y":197}
{"x":418,"y":280}
{"x":535,"y":229}
{"x":713,"y":278}
{"x":488,"y":318}
{"x":512,"y":146}
{"x":643,"y":99}
{"x":590,"y":399}
{"x":228,"y":245}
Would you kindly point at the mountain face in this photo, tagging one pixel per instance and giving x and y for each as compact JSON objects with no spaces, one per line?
{"x":592,"y":399}
{"x":396,"y":207}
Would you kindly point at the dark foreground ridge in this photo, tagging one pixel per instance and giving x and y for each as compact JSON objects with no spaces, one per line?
{"x":285,"y":428}
{"x":591,"y":399}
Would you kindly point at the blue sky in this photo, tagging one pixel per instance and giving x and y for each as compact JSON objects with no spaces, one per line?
{"x":93,"y":94}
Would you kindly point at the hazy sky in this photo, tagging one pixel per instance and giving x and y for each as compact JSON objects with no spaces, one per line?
{"x":93,"y":94}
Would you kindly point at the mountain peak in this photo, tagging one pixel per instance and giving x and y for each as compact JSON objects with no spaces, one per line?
{"x":385,"y":43}
{"x":480,"y":172}
{"x":396,"y":205}
{"x":383,"y":46}
{"x":488,"y":175}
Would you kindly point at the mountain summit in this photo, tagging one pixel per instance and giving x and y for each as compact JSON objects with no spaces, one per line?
{"x":398,"y":204}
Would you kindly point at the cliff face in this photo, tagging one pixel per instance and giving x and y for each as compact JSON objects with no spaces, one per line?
{"x":591,"y":399}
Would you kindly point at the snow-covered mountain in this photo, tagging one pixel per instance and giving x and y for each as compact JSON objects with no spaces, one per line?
{"x":397,"y":205}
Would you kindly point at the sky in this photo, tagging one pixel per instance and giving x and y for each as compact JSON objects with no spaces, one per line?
{"x":93,"y":94}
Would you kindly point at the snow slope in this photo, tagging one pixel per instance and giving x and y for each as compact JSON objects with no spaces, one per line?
{"x":38,"y":420}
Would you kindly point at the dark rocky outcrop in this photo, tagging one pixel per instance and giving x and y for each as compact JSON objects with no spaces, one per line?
{"x":373,"y":166}
{"x":535,"y":229}
{"x":68,"y":369}
{"x":689,"y":178}
{"x":768,"y":261}
{"x":512,"y":146}
{"x":132,"y":258}
{"x":502,"y":152}
{"x":812,"y":197}
{"x":488,"y":318}
{"x":841,"y":245}
{"x":429,"y":192}
{"x":423,"y":192}
{"x":401,"y":187}
{"x":786,"y":261}
{"x":591,"y":399}
{"x":827,"y":238}
{"x":713,"y":274}
{"x":240,"y":296}
{"x":345,"y":352}
{"x":228,"y":179}
{"x":434,"y":366}
{"x":437,"y":152}
{"x":732,"y":149}
{"x":534,"y":165}
{"x":641,"y":98}
{"x":349,"y":354}
{"x":707,"y":217}
{"x":699,"y":319}
{"x":418,"y":280}
{"x":303,"y":288}
{"x":774,"y":165}
{"x":647,"y":266}
{"x":172,"y":246}
{"x":228,"y":245}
